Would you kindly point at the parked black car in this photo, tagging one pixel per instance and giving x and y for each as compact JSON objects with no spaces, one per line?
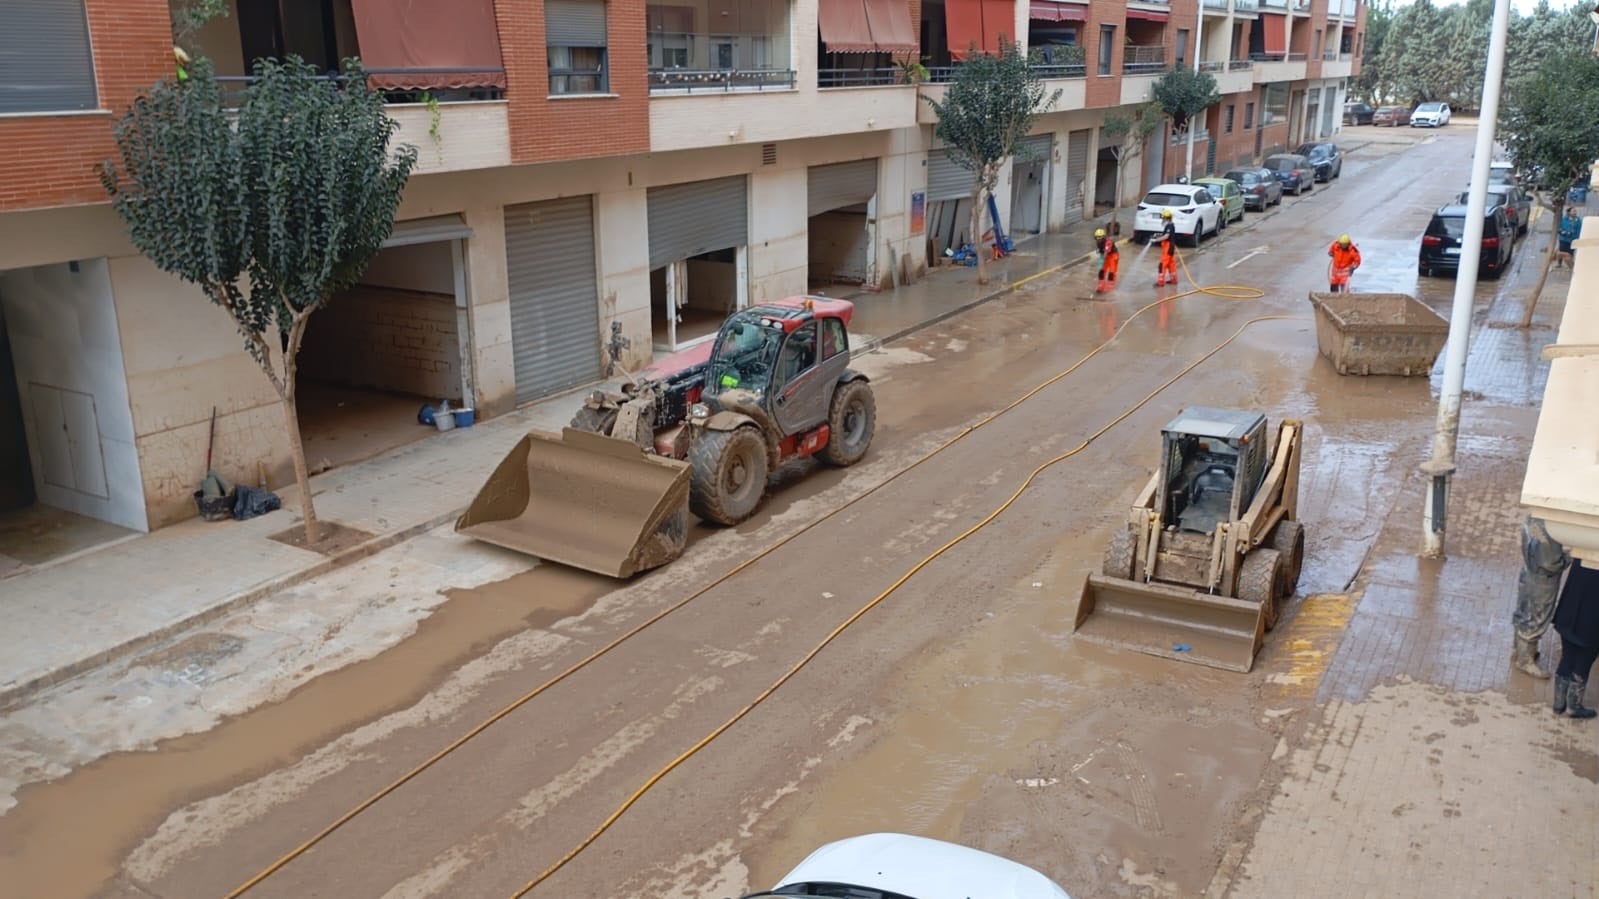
{"x":1260,"y":186}
{"x":1358,"y":113}
{"x":1325,"y":156}
{"x":1441,"y":242}
{"x":1294,"y":171}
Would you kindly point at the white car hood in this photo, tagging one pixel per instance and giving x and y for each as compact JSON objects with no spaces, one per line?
{"x":923,"y":868}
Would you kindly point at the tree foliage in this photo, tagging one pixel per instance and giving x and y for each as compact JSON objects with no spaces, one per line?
{"x":1183,"y":93}
{"x":1549,"y":126}
{"x":990,"y":106}
{"x":269,"y":209}
{"x":1426,"y":51}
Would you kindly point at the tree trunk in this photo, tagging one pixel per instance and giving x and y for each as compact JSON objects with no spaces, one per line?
{"x":291,"y":415}
{"x":1116,"y":201}
{"x":1559,"y":208}
{"x":302,"y":475}
{"x":977,"y":231}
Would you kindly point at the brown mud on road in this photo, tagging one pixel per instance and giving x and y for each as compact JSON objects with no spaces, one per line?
{"x":54,"y":846}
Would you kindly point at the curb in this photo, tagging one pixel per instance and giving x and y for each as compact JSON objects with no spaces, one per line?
{"x":16,"y":693}
{"x":19,"y":692}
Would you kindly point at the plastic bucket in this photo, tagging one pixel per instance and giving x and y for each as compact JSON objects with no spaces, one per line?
{"x":444,"y":422}
{"x":464,"y":418}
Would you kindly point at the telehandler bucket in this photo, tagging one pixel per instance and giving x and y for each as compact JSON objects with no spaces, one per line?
{"x":1171,"y":622}
{"x":584,"y":500}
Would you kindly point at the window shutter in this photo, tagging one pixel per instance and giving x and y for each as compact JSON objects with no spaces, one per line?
{"x":574,"y":23}
{"x":45,"y":62}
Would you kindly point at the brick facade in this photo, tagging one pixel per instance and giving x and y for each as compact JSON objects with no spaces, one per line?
{"x":548,"y":129}
{"x":51,"y":160}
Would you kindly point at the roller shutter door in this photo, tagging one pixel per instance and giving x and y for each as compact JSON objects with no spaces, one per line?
{"x":555,"y":310}
{"x":698,"y":217}
{"x":1077,"y":144}
{"x":945,"y":179}
{"x":840,"y":185}
{"x":1036,"y":148}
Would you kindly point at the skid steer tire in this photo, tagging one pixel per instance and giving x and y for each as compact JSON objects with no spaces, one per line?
{"x":595,"y":421}
{"x":1260,"y":581}
{"x":1119,"y":555}
{"x":1289,"y":540}
{"x":850,"y":424}
{"x":728,"y":479}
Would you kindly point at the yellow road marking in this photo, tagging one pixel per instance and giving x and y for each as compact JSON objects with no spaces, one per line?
{"x":1307,"y":645}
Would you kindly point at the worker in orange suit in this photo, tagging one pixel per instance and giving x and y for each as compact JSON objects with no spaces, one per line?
{"x":1109,"y":261}
{"x":1345,"y":259}
{"x":1168,"y":250}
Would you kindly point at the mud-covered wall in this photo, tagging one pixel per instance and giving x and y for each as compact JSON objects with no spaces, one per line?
{"x":386,"y":338}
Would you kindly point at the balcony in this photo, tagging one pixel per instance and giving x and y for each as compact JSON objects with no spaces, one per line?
{"x":1351,"y":9}
{"x":1274,"y":67}
{"x":1231,"y":79}
{"x":1274,"y":4}
{"x":1246,"y":5}
{"x":1216,"y":4}
{"x":1143,"y":59}
{"x":1562,"y":480}
{"x":695,"y":62}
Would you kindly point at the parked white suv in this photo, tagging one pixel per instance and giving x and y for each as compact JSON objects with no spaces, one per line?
{"x":1430,"y":115}
{"x":896,"y":864}
{"x":1195,"y":213}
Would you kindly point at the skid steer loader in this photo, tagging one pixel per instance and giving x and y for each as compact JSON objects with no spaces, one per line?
{"x":699,"y":431}
{"x":1211,"y":550}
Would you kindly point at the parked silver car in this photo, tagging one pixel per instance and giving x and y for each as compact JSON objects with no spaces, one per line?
{"x":1260,"y":186}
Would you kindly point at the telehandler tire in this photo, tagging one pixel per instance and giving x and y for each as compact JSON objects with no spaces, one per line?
{"x":728,"y":479}
{"x":850,"y":423}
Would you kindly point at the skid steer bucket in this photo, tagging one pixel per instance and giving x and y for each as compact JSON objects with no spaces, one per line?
{"x":1172,"y":622}
{"x":584,"y":500}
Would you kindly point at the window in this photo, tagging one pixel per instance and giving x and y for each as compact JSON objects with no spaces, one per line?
{"x":1275,"y":106}
{"x":1249,"y":116}
{"x":835,"y":339}
{"x":1182,"y":46}
{"x":575,"y":35}
{"x":1228,"y":127}
{"x":45,"y":58}
{"x":798,"y":355}
{"x":1107,"y":46}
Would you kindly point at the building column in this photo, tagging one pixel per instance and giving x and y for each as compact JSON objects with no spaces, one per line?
{"x":621,"y":224}
{"x":493,"y":362}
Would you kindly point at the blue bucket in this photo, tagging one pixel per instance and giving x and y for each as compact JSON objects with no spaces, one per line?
{"x":464,"y":417}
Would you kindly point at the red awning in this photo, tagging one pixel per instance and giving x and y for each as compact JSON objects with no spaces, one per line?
{"x":892,"y":31}
{"x":1276,"y":33}
{"x":1147,"y":15}
{"x":843,"y":26}
{"x":980,"y":22}
{"x":429,"y":43}
{"x":1053,"y":11}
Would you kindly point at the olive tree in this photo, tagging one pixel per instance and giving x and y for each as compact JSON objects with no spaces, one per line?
{"x":1549,"y":125}
{"x":270,"y":208}
{"x":990,"y":106}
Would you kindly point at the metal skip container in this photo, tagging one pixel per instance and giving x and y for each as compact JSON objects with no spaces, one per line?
{"x":1378,"y":333}
{"x":585,"y":500}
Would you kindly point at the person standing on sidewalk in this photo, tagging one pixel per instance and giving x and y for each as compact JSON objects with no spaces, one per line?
{"x":1543,"y":561}
{"x":1577,"y":622}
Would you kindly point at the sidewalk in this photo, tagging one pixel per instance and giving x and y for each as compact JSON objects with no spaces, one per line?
{"x":68,"y":618}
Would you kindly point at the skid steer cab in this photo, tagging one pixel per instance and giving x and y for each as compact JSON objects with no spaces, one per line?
{"x":699,"y":431}
{"x":1211,"y":550}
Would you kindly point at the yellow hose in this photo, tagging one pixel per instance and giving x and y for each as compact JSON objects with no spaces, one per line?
{"x":1224,"y":291}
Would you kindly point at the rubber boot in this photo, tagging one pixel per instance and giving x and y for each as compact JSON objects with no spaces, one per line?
{"x":1562,"y":685}
{"x":1524,"y":656}
{"x":1574,"y":706}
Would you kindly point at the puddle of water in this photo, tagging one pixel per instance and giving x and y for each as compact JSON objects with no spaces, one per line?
{"x":53,"y":844}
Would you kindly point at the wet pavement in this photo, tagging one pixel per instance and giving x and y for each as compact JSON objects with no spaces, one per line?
{"x":959,"y":707}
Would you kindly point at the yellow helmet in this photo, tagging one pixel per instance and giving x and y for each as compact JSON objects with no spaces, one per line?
{"x":1343,"y":240}
{"x":1165,"y":213}
{"x":1099,"y":232}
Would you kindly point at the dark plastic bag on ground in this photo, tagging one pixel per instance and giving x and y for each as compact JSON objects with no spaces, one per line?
{"x":248,"y":502}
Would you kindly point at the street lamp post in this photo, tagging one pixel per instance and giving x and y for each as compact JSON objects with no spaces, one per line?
{"x":1199,"y":41}
{"x":1441,"y":467}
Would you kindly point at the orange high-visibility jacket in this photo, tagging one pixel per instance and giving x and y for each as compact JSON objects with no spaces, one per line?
{"x":1344,"y":257}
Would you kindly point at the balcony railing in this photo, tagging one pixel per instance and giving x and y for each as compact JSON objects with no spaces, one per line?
{"x":1240,"y":65}
{"x":1061,"y":70}
{"x":703,"y":81}
{"x":1143,"y":59}
{"x":1246,"y":5}
{"x":860,"y":77}
{"x":1329,"y":55}
{"x":1274,"y":4}
{"x":1216,"y":4}
{"x":1351,"y":9}
{"x":1213,"y":65}
{"x":233,"y":85}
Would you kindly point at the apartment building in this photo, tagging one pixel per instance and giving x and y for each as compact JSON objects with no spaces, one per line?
{"x":587,"y":168}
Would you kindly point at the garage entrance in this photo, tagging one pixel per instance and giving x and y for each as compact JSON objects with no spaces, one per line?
{"x":949,"y":204}
{"x":1029,"y":180}
{"x":841,"y":206}
{"x":386,"y":346}
{"x":699,"y":266}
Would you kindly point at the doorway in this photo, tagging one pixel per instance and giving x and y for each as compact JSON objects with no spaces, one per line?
{"x":1030,"y":183}
{"x":379,"y":352}
{"x":690,"y":298}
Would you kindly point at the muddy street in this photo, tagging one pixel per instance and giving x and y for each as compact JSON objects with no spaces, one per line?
{"x":958,"y":707}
